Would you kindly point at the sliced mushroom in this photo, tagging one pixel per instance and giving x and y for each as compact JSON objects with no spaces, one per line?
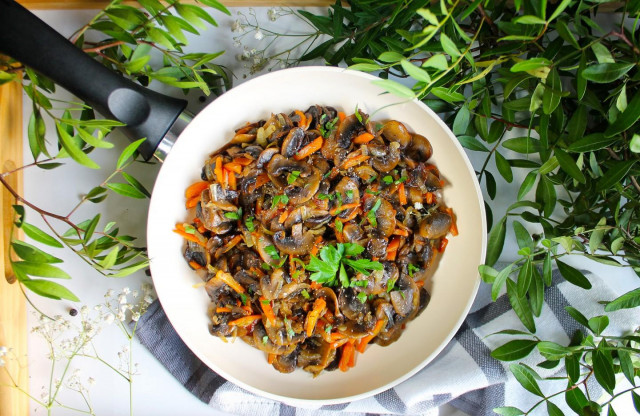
{"x":435,"y":225}
{"x":271,"y":285}
{"x":350,"y":306}
{"x":348,"y":130}
{"x":352,"y":232}
{"x":420,"y":149}
{"x":292,"y":143}
{"x":295,"y":245}
{"x":366,"y":173}
{"x":286,"y":363}
{"x":385,"y":215}
{"x":196,"y":253}
{"x":261,"y":241}
{"x":266,"y":156}
{"x":262,"y":341}
{"x":301,"y":194}
{"x":279,"y":168}
{"x":394,"y":131}
{"x":377,"y":247}
{"x":385,"y":158}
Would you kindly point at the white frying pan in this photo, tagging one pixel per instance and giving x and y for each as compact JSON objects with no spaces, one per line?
{"x":148,"y":114}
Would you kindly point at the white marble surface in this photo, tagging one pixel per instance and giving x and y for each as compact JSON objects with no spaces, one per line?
{"x":156,"y":392}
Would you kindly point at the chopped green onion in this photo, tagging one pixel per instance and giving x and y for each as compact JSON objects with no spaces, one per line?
{"x":324,"y":196}
{"x":305,"y":294}
{"x":279,"y":199}
{"x":388,"y":179}
{"x":232,"y":215}
{"x":412,"y":268}
{"x":358,"y":115}
{"x":328,"y":329}
{"x":266,"y":266}
{"x":399,"y":181}
{"x":362,"y":297}
{"x":265,"y":339}
{"x":249,"y":223}
{"x":293,"y":176}
{"x":369,"y":191}
{"x":349,"y":194}
{"x":371,"y":215}
{"x":390,"y":284}
{"x":243,"y":298}
{"x":189,"y":229}
{"x":339,"y":226}
{"x":272,"y":252}
{"x":361,"y":283}
{"x":265,"y":302}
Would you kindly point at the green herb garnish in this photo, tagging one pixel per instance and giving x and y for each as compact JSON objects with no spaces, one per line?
{"x":272,"y":252}
{"x":189,"y":229}
{"x":349,"y":194}
{"x":370,"y":192}
{"x":305,"y":294}
{"x":338,"y":225}
{"x":265,"y":339}
{"x":279,"y":199}
{"x":400,"y":180}
{"x":293,"y":176}
{"x":333,"y":260}
{"x":359,"y":283}
{"x":243,"y":298}
{"x":362,"y":297}
{"x":328,"y":329}
{"x":265,"y":302}
{"x":388,"y":179}
{"x":324,"y":196}
{"x":391,"y":284}
{"x":266,"y":266}
{"x":371,"y":215}
{"x":249,"y":224}
{"x":232,"y":215}
{"x":412,"y":269}
{"x":358,"y":115}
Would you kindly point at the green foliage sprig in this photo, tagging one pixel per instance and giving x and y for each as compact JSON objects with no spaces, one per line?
{"x":548,"y":94}
{"x":144,"y":45}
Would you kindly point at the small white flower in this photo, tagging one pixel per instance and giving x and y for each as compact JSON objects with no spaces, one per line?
{"x":253,"y":51}
{"x":273,"y":14}
{"x":237,"y":43}
{"x":122,"y":298}
{"x":246,"y":53}
{"x":109,"y":294}
{"x":91,"y":381}
{"x":135,"y":294}
{"x":237,"y":27}
{"x":135,"y":316}
{"x":108,"y":319}
{"x":257,"y":61}
{"x":121,"y":316}
{"x":148,"y":299}
{"x":258,"y":35}
{"x":126,"y":290}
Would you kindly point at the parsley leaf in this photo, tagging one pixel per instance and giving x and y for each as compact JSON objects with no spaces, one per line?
{"x":189,"y":229}
{"x":362,"y":297}
{"x":232,"y":215}
{"x":293,"y":176}
{"x":349,"y":194}
{"x":333,"y":260}
{"x":279,"y":199}
{"x":364,"y":266}
{"x":344,"y":279}
{"x":249,"y":223}
{"x":400,"y":180}
{"x":328,"y":329}
{"x":324,"y":196}
{"x":358,"y":115}
{"x":305,"y":294}
{"x":371,"y":215}
{"x":339,"y":226}
{"x":352,"y":249}
{"x":265,"y":339}
{"x":390,"y":284}
{"x":388,"y":179}
{"x":412,"y":269}
{"x":243,"y":298}
{"x":369,"y":191}
{"x":272,"y":252}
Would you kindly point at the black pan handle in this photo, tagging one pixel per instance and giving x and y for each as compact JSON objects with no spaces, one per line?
{"x":29,"y":40}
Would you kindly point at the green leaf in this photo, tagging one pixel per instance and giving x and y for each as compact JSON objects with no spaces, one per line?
{"x":605,"y":73}
{"x":138,"y":64}
{"x":598,"y":324}
{"x":514,"y":350}
{"x":520,"y":306}
{"x":527,"y":184}
{"x":524,"y":278}
{"x":552,"y":351}
{"x":390,"y":56}
{"x":49,"y":289}
{"x":602,"y":53}
{"x":110,"y":259}
{"x":525,"y":145}
{"x":471,"y":143}
{"x":577,"y":315}
{"x":576,"y":399}
{"x":93,"y":141}
{"x":365,"y":67}
{"x":134,"y":182}
{"x":90,"y":228}
{"x":529,"y":20}
{"x":499,"y":281}
{"x":536,"y":98}
{"x":415,"y":72}
{"x":39,"y":269}
{"x":126,"y":271}
{"x":530,"y":64}
{"x":128,"y":152}
{"x":503,"y":167}
{"x":447,"y":95}
{"x":508,"y":411}
{"x":449,"y":46}
{"x":438,"y":61}
{"x":487,"y":273}
{"x":522,"y":235}
{"x":428,"y":16}
{"x":628,"y":300}
{"x":626,"y":119}
{"x":563,"y":5}
{"x":546,"y":270}
{"x":603,"y":369}
{"x":573,"y":275}
{"x":32,"y":254}
{"x":636,"y":401}
{"x":526,"y":378}
{"x":565,"y":33}
{"x":594,"y":141}
{"x":581,"y":81}
{"x":546,"y":194}
{"x":634,"y":144}
{"x":626,"y":365}
{"x":597,"y":235}
{"x":72,"y":149}
{"x":614,"y":175}
{"x":569,"y":165}
{"x":496,"y":242}
{"x":461,"y":121}
{"x":216,"y":5}
{"x":572,"y":365}
{"x":125,"y":189}
{"x":395,"y":88}
{"x":552,"y":409}
{"x":40,"y":236}
{"x":553,"y":88}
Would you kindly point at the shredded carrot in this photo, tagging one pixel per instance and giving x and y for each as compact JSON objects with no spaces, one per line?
{"x":201,"y":229}
{"x":188,"y":236}
{"x":403,"y":233}
{"x":337,"y":210}
{"x":363,"y":138}
{"x":194,"y":265}
{"x":231,"y":244}
{"x":268,"y":310}
{"x":443,"y":244}
{"x":337,"y":344}
{"x":232,"y":181}
{"x":315,"y":285}
{"x":247,"y":308}
{"x":247,"y":128}
{"x":312,"y":317}
{"x":261,"y":180}
{"x":303,"y":118}
{"x":347,"y":352}
{"x":242,"y":161}
{"x":376,"y":330}
{"x":233,"y":167}
{"x":292,"y":266}
{"x":316,"y":246}
{"x":271,"y":358}
{"x":341,"y":116}
{"x":245,"y":320}
{"x":334,"y":336}
{"x":442,"y":183}
{"x":352,"y":359}
{"x":221,"y":310}
{"x":230,"y":281}
{"x":402,"y":195}
{"x":454,"y":226}
{"x":256,"y":271}
{"x":191,"y":203}
{"x":309,"y":149}
{"x":258,"y":207}
{"x":354,"y":161}
{"x":429,"y":198}
{"x":218,"y":170}
{"x":195,"y":189}
{"x":352,"y":215}
{"x":420,"y":283}
{"x":392,"y":248}
{"x":283,"y":217}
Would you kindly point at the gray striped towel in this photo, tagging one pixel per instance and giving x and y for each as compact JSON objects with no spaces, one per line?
{"x":463,"y":375}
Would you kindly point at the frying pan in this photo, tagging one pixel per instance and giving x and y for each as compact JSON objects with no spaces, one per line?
{"x":161,"y":120}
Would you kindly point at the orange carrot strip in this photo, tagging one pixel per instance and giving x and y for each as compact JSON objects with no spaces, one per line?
{"x":312,"y":317}
{"x":232,"y":181}
{"x":341,"y":116}
{"x":392,"y":248}
{"x":230,"y":281}
{"x":195,"y":189}
{"x":315,"y":285}
{"x":337,"y":210}
{"x":201,"y":229}
{"x":402,"y":195}
{"x":336,"y":336}
{"x":242,"y":161}
{"x":218,"y":170}
{"x":376,"y":330}
{"x":403,"y":233}
{"x":352,"y":215}
{"x":231,"y":244}
{"x":303,"y":118}
{"x":420,"y":283}
{"x":261,"y":180}
{"x":354,"y":161}
{"x":352,"y":359}
{"x":193,"y":201}
{"x":454,"y":226}
{"x":195,"y":265}
{"x":316,"y":246}
{"x":347,"y":352}
{"x":429,"y":198}
{"x":268,"y":310}
{"x":188,"y":236}
{"x":245,"y":320}
{"x":443,"y":244}
{"x":233,"y":167}
{"x":283,"y":217}
{"x":271,"y":358}
{"x":247,"y":308}
{"x":221,"y":310}
{"x":363,"y":138}
{"x":338,"y":343}
{"x":309,"y":149}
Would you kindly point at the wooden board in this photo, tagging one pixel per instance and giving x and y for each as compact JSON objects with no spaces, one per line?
{"x":13,"y":311}
{"x":99,"y":4}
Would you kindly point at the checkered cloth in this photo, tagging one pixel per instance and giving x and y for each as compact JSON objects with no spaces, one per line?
{"x":463,"y":375}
